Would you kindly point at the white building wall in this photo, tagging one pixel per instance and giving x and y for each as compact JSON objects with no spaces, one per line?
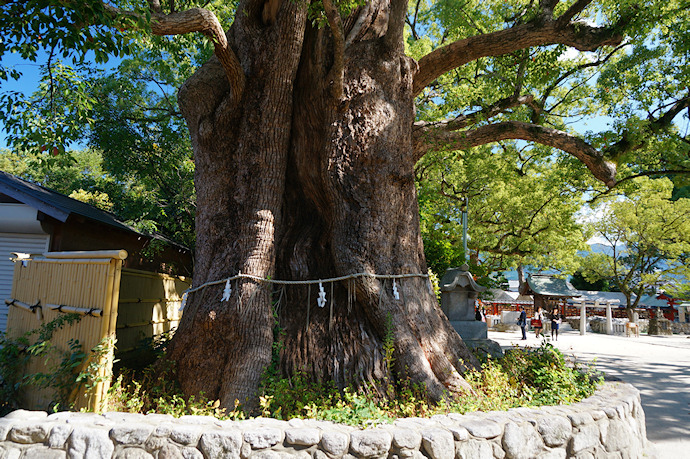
{"x":20,"y":231}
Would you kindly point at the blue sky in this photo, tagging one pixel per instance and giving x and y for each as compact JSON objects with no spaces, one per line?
{"x":29,"y":81}
{"x":30,"y":72}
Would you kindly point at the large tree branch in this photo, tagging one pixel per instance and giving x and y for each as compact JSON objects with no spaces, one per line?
{"x":396,"y":24}
{"x":547,"y":7}
{"x":570,"y":13}
{"x":462,"y":121}
{"x":667,"y":118}
{"x":633,"y":140}
{"x":337,"y":73}
{"x":634,"y":176}
{"x":193,"y":20}
{"x":426,"y":139}
{"x":155,"y":6}
{"x":539,"y":32}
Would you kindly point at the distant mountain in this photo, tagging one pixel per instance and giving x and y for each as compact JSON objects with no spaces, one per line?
{"x":606,"y":249}
{"x":601,"y":248}
{"x":598,"y":248}
{"x":512,"y":275}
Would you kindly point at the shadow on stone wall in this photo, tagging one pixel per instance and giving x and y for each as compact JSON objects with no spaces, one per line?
{"x":611,"y":423}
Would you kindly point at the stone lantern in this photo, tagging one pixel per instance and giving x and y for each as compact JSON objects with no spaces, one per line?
{"x":459,"y":294}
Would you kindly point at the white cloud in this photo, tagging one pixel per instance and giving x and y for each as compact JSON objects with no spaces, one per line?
{"x":573,"y":54}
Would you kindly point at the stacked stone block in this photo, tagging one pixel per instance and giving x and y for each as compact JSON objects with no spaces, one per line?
{"x":610,"y":424}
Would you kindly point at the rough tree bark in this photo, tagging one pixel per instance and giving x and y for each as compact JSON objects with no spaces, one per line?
{"x":351,"y":207}
{"x":240,"y":147}
{"x":307,"y":173}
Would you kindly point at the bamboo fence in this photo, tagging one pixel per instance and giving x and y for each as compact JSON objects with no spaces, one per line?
{"x":149,"y":305}
{"x":117,"y":306}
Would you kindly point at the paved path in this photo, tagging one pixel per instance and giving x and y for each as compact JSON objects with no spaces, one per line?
{"x":659,"y":366}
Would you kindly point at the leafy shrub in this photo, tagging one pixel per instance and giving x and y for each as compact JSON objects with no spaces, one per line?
{"x":545,"y":377}
{"x":350,"y":407}
{"x":523,"y":377}
{"x":62,"y":368}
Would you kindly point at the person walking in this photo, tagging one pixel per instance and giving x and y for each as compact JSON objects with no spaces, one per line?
{"x":538,"y":322}
{"x":555,"y":323}
{"x":522,"y":322}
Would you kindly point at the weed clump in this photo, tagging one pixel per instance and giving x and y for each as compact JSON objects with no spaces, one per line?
{"x":523,"y":377}
{"x":60,"y":370}
{"x":156,"y":390}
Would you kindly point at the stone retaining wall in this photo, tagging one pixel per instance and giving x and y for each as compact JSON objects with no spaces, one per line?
{"x":680,"y":328}
{"x":610,"y":424}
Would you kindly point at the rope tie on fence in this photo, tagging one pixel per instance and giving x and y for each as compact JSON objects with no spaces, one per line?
{"x":38,"y":310}
{"x":59,"y":308}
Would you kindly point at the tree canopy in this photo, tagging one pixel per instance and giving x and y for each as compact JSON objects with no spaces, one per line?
{"x":488,"y":72}
{"x":116,"y":132}
{"x":522,"y":207}
{"x":539,"y":94}
{"x":647,"y":240}
{"x":542,"y":94}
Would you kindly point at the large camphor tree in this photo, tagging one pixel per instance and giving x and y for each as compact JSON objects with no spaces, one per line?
{"x":305,"y":139}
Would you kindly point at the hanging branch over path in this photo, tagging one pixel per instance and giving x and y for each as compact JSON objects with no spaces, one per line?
{"x":426,"y":139}
{"x":543,"y":30}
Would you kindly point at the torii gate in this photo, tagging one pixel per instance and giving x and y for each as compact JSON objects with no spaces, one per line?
{"x":583,"y":304}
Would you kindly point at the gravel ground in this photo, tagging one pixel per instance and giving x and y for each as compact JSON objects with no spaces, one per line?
{"x":658,"y":366}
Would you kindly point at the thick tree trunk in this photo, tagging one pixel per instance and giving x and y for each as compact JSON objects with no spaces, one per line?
{"x":351,"y":207}
{"x":294,"y":183}
{"x":240,"y":148}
